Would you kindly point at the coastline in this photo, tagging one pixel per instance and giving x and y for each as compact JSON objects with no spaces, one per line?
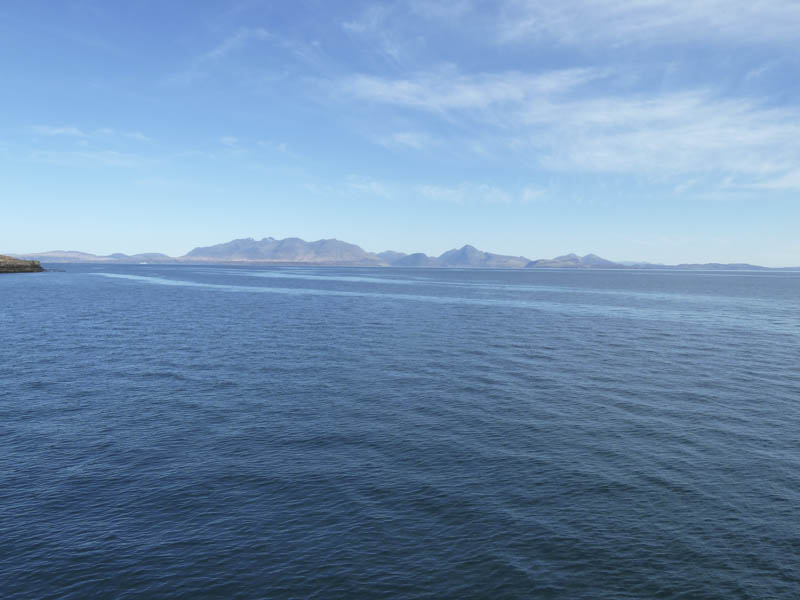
{"x":15,"y":265}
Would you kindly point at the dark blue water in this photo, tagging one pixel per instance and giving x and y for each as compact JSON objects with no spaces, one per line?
{"x":224,"y":432}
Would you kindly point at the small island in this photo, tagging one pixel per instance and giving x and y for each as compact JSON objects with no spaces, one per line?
{"x":14,"y":265}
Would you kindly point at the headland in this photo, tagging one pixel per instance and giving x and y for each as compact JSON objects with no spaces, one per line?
{"x":15,"y":265}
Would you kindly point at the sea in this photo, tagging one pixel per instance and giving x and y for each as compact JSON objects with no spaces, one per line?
{"x":241,"y":432}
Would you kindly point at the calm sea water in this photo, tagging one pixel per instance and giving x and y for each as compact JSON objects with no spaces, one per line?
{"x":231,"y":432}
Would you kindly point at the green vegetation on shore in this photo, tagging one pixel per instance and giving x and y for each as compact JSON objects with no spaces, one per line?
{"x":14,"y":265}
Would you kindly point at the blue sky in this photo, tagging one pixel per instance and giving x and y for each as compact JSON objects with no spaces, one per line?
{"x":660,"y":130}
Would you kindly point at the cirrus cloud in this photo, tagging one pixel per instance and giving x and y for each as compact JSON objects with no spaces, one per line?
{"x":549,"y":119}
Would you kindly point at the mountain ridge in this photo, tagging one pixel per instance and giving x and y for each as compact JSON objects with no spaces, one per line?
{"x":334,"y":252}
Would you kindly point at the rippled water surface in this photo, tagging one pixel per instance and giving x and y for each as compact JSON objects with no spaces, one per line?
{"x":231,"y":432}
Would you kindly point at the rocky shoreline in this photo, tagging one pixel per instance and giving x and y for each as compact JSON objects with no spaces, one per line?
{"x":14,"y":265}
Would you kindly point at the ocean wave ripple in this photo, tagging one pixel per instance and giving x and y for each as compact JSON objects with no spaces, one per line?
{"x":462,"y":435}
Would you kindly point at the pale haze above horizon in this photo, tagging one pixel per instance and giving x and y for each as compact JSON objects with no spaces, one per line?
{"x":658,"y":130}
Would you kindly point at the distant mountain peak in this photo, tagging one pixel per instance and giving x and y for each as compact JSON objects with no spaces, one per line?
{"x":573,"y":261}
{"x":331,"y":251}
{"x":470,"y":256}
{"x":288,"y":250}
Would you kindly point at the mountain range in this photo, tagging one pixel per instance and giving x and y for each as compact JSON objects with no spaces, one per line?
{"x":334,"y":252}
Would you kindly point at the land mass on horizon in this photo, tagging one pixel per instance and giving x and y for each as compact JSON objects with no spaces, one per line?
{"x":9,"y":264}
{"x":333,"y":252}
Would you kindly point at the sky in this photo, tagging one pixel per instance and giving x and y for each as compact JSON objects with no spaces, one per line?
{"x":658,"y":130}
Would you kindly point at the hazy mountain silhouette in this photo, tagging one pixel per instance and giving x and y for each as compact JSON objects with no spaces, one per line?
{"x":418,"y":259}
{"x":287,"y":250}
{"x":336,"y":252}
{"x":469,"y":256}
{"x":573,"y":261}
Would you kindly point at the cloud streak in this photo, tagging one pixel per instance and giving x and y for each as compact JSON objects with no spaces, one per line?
{"x":548,"y":120}
{"x":70,"y":131}
{"x":106,"y":158}
{"x":472,"y":193}
{"x":67,"y":131}
{"x":625,"y":22}
{"x":447,"y":89}
{"x":201,"y":64}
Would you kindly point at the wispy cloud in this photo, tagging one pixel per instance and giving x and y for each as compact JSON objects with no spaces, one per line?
{"x":369,"y":21}
{"x":76,"y":132}
{"x":280,"y":147}
{"x":788,"y":181}
{"x":466,"y":192}
{"x":447,"y":89}
{"x":68,"y":131}
{"x":624,"y":22}
{"x":368,"y":186}
{"x":106,"y":158}
{"x":407,"y":139}
{"x":463,"y":193}
{"x":440,"y":9}
{"x":377,"y":24}
{"x":200,"y":65}
{"x":532,"y":195}
{"x":77,"y":147}
{"x":136,"y":135}
{"x":677,"y":133}
{"x":549,"y":120}
{"x":234,"y":42}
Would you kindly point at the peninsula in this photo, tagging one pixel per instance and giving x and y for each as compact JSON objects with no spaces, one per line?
{"x":15,"y":265}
